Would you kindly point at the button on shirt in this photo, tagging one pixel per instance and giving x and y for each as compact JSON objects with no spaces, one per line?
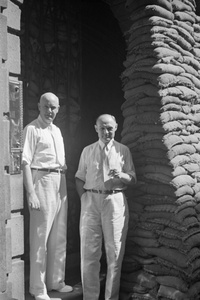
{"x":43,"y":145}
{"x":90,"y":169}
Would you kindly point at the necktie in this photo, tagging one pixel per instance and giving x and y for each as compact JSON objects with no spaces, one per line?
{"x":106,"y":168}
{"x":59,"y":147}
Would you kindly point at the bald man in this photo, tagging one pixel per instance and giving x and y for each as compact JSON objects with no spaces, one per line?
{"x":105,"y":169}
{"x":44,"y":167}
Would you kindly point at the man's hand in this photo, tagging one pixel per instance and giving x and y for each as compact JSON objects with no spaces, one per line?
{"x":115,"y":173}
{"x":124,"y":177}
{"x":79,"y":187}
{"x":33,"y":201}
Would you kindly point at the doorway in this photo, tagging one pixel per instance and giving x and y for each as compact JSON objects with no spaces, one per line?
{"x":76,"y":50}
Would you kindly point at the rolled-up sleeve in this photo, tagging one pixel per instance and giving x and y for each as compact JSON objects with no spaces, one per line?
{"x":81,"y":172}
{"x":129,"y":167}
{"x":29,"y":139}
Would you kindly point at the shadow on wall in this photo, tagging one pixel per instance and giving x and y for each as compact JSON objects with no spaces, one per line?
{"x":103,"y":53}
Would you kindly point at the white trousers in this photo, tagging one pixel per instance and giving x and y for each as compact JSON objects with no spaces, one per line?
{"x":102,"y":217}
{"x":48,"y":233}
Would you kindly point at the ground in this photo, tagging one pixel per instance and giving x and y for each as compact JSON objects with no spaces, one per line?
{"x":73,"y":279}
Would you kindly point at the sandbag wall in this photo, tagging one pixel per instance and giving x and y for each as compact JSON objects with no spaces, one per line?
{"x":161,"y":83}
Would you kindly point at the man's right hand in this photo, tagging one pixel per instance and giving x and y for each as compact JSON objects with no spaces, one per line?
{"x":33,"y":201}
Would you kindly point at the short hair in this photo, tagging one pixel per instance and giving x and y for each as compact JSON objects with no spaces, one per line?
{"x":44,"y":95}
{"x":113,"y":117}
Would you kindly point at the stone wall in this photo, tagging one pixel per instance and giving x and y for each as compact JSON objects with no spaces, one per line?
{"x":11,"y":186}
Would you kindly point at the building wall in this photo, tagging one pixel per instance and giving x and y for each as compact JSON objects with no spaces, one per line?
{"x":11,"y":186}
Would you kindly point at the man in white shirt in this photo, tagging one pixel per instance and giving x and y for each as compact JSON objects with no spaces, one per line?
{"x":105,"y":169}
{"x":44,"y":167}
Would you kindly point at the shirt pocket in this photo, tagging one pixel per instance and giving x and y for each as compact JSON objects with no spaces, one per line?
{"x":93,"y":164}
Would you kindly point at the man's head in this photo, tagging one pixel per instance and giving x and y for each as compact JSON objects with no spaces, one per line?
{"x":48,"y":107}
{"x":106,"y":127}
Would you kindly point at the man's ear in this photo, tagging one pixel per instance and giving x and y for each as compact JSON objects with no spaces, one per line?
{"x":39,"y":106}
{"x":95,"y":126}
{"x":116,"y":126}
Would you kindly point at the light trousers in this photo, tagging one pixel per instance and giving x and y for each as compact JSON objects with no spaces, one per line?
{"x":48,"y":233}
{"x":103,"y":217}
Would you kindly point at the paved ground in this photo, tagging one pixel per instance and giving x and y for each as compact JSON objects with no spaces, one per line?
{"x":76,"y":294}
{"x":73,"y":279}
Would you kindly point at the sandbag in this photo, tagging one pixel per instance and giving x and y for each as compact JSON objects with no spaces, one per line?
{"x":141,"y":233}
{"x":153,"y":21}
{"x":184,"y":16}
{"x":163,"y":207}
{"x":170,"y":140}
{"x":180,"y":160}
{"x":152,"y":10}
{"x":172,"y":99}
{"x":144,"y":242}
{"x":161,"y":215}
{"x":157,"y":189}
{"x":180,"y":91}
{"x":171,"y":293}
{"x":185,"y":201}
{"x":141,"y":110}
{"x":187,"y":50}
{"x":171,"y":233}
{"x":141,"y":277}
{"x":187,"y":68}
{"x":133,"y":5}
{"x":149,"y":199}
{"x":171,"y":255}
{"x":142,"y":101}
{"x":169,"y":80}
{"x":175,"y":244}
{"x":161,"y":270}
{"x":192,"y":167}
{"x":183,"y":180}
{"x":184,"y":149}
{"x":179,"y":171}
{"x":187,"y":26}
{"x":178,"y":5}
{"x":158,"y":68}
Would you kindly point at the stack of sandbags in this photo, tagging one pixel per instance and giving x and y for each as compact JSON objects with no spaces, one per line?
{"x":161,"y":112}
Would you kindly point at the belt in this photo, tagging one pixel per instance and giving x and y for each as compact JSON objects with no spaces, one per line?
{"x":107,"y":192}
{"x":50,"y":170}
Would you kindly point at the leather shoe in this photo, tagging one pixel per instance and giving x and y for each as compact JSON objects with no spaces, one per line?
{"x":65,"y":289}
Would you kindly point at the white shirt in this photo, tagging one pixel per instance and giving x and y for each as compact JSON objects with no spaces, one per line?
{"x":43,"y":145}
{"x":90,"y":169}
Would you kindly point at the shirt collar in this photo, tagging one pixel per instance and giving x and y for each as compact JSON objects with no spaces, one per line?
{"x":109,"y":145}
{"x":43,"y":124}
